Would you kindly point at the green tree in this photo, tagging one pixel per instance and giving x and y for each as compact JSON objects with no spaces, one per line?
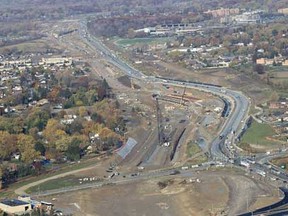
{"x":73,"y":151}
{"x":40,"y":147}
{"x":37,"y":118}
{"x":259,"y":69}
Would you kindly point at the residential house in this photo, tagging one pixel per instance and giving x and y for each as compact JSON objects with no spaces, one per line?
{"x":15,"y":206}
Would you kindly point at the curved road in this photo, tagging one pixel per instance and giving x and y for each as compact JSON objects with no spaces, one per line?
{"x":220,"y":147}
{"x":219,"y":150}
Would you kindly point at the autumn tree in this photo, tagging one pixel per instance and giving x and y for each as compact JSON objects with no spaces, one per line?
{"x":7,"y":144}
{"x":75,"y":127}
{"x":53,"y":130}
{"x":11,"y":124}
{"x":90,"y":127}
{"x":53,"y":95}
{"x":25,"y":144}
{"x":63,"y":142}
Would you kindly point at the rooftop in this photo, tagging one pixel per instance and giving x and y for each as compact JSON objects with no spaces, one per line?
{"x":14,"y":202}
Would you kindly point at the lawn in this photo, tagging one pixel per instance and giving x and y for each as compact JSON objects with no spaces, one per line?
{"x":9,"y":192}
{"x":258,"y":133}
{"x":202,"y":158}
{"x":67,"y":181}
{"x":194,"y":152}
{"x":28,"y":46}
{"x":281,"y":161}
{"x":192,"y":149}
{"x":129,"y":42}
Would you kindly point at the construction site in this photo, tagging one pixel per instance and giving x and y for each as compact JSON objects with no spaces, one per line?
{"x":170,"y":129}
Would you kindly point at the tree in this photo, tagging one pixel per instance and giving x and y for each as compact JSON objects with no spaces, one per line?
{"x":82,"y":111}
{"x":55,"y":128}
{"x":75,"y":127}
{"x":25,"y":145}
{"x":39,"y":147}
{"x":103,"y":90}
{"x":274,"y":32}
{"x":91,"y":127}
{"x":63,"y":143}
{"x":37,"y":118}
{"x":97,"y":118}
{"x":34,"y":133}
{"x":73,"y":151}
{"x":131,"y":33}
{"x":259,"y":69}
{"x":7,"y":144}
{"x":54,"y":94}
{"x":1,"y":174}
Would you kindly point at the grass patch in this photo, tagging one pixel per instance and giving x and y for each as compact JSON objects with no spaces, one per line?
{"x":246,"y":147}
{"x":202,"y":158}
{"x":280,"y":162}
{"x":193,"y":149}
{"x":9,"y":192}
{"x":258,"y":133}
{"x":130,"y":42}
{"x":29,"y":46}
{"x":253,"y":110}
{"x":67,"y":181}
{"x":195,"y":154}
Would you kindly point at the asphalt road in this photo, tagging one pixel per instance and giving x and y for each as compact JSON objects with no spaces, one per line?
{"x":221,"y":146}
{"x":219,"y":150}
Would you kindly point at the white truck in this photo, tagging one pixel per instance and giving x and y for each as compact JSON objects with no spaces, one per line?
{"x":261,"y":172}
{"x":244,"y":163}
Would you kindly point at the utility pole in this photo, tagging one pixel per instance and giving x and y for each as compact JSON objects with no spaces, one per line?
{"x":181,"y":102}
{"x":159,"y":122}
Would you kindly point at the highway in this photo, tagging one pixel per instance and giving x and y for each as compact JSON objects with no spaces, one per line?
{"x":222,"y":147}
{"x":274,"y":209}
{"x":233,"y":124}
{"x":220,"y":151}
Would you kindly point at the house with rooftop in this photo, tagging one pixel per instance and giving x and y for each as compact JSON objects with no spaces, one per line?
{"x":15,"y":206}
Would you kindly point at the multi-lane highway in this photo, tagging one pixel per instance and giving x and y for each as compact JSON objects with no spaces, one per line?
{"x":240,"y":103}
{"x":221,"y":147}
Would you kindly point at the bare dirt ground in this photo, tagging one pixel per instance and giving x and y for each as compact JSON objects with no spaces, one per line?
{"x":259,"y":92}
{"x":216,"y":193}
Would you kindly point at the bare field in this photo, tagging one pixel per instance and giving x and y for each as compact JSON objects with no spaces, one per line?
{"x":215,"y":193}
{"x":258,"y":91}
{"x":283,"y":74}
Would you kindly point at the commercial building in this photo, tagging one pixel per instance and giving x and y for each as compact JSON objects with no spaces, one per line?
{"x":247,"y":18}
{"x":276,"y":60}
{"x":15,"y":206}
{"x":56,"y":61}
{"x":222,"y":12}
{"x":285,"y":63}
{"x":283,"y":11}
